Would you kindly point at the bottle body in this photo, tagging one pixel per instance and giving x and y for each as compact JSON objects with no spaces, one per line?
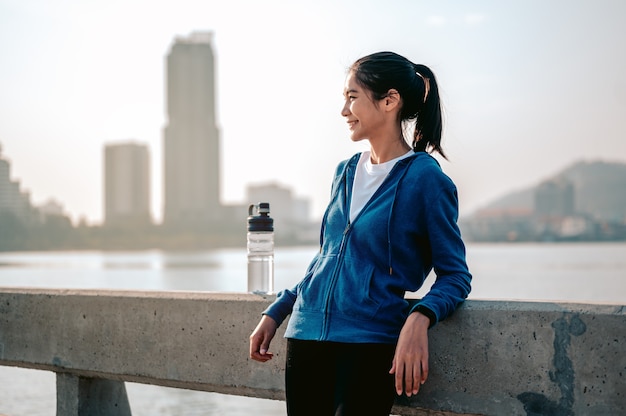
{"x":261,"y":262}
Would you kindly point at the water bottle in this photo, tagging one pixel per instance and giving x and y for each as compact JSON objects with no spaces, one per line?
{"x":260,"y":249}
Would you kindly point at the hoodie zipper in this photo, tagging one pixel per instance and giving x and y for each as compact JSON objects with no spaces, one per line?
{"x":334,"y":277}
{"x":333,"y":281}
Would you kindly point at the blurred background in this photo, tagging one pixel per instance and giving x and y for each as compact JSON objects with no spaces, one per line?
{"x":530,"y":90}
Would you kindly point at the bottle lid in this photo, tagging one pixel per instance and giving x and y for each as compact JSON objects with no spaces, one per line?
{"x":262,"y":221}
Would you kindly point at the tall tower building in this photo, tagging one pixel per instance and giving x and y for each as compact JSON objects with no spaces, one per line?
{"x":191,"y":137}
{"x":126,"y":185}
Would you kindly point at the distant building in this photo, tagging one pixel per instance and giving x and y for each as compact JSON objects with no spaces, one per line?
{"x":13,"y":200}
{"x":126,"y":185}
{"x":191,"y":137}
{"x":283,"y":204}
{"x":499,"y":224}
{"x":51,"y":208}
{"x":554,"y":198}
{"x":292,"y":215}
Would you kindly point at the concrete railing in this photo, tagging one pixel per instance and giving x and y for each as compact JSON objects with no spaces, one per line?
{"x":490,"y":358}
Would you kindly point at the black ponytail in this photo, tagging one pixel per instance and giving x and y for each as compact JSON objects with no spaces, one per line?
{"x":428,"y":123}
{"x":417,"y":86}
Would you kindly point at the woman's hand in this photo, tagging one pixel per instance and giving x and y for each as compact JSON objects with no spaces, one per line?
{"x":260,"y":339}
{"x":410,"y":362}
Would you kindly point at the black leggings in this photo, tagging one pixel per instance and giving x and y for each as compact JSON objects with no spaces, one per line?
{"x":338,"y":379}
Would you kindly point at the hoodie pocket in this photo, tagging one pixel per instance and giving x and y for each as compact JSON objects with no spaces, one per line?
{"x":355,"y":291}
{"x":315,"y":285}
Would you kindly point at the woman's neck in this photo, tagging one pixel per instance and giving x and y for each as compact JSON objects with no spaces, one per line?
{"x":382,"y":151}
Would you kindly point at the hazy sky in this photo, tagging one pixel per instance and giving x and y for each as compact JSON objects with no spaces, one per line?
{"x":529,"y":87}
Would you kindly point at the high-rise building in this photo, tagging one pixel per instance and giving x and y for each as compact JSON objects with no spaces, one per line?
{"x":191,"y":137}
{"x":126,"y":184}
{"x":13,"y":200}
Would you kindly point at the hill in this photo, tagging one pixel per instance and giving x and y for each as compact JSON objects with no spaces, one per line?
{"x":599,"y":186}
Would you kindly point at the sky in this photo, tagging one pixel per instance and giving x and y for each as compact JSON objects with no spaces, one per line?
{"x":528,"y":87}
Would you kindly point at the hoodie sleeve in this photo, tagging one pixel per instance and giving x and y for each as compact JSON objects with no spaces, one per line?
{"x":453,"y":279}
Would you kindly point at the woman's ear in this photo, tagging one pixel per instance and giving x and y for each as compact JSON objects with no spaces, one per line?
{"x":392,"y":99}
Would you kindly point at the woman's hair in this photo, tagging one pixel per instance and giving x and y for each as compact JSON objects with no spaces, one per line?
{"x":417,"y":86}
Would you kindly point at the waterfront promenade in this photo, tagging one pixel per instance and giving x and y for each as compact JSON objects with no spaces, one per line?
{"x":490,"y":358}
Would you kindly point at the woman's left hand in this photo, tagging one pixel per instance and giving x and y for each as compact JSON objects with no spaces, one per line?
{"x":410,"y":362}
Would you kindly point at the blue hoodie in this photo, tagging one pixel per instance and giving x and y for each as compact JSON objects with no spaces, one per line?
{"x":354,"y":288}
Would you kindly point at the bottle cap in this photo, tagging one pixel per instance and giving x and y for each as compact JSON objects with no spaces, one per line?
{"x":261,"y":222}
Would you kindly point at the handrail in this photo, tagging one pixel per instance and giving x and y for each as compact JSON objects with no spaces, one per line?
{"x":489,"y":358}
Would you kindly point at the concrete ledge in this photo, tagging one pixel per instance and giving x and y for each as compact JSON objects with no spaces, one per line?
{"x":490,"y":358}
{"x":194,"y":340}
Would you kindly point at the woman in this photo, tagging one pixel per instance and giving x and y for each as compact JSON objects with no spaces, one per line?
{"x":353,"y":341}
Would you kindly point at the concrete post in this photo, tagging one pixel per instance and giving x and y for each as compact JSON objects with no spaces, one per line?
{"x":84,"y":396}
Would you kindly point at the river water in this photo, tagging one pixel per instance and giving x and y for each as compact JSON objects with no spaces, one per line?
{"x":571,"y":272}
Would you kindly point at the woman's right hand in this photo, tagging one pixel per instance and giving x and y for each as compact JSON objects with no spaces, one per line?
{"x":260,"y":339}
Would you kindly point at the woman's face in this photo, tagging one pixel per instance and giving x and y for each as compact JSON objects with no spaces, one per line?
{"x":363,"y":115}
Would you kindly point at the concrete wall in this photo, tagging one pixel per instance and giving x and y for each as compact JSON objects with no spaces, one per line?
{"x":490,"y":358}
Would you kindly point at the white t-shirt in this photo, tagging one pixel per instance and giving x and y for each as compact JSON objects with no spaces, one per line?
{"x":367,"y":178}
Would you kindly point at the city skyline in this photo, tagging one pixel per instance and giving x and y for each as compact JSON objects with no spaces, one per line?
{"x":528,"y":89}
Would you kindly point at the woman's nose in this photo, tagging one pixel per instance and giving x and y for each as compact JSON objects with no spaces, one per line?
{"x":345,"y":111}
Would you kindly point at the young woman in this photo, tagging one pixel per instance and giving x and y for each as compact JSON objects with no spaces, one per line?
{"x":353,"y":341}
